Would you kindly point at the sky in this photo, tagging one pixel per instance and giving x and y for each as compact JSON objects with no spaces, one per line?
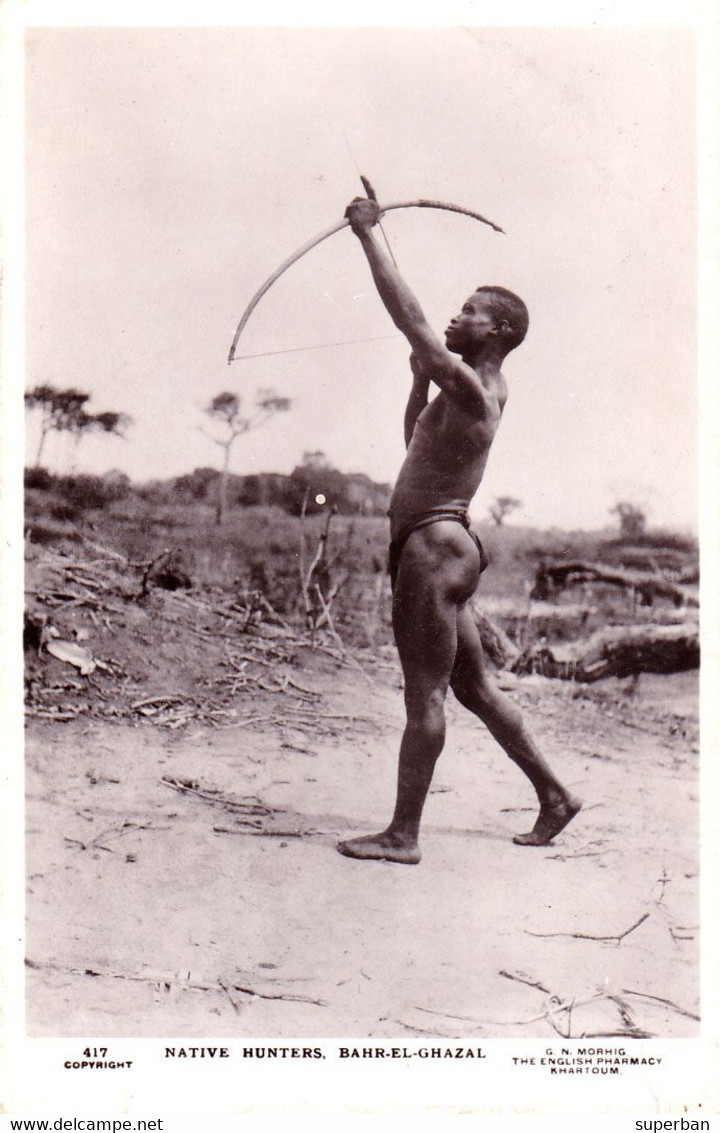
{"x":170,"y":171}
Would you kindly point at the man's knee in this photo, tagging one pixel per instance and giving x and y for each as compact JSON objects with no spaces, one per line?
{"x":425,"y":709}
{"x":473,"y":691}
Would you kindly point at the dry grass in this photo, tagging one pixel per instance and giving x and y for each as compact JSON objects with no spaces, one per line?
{"x":259,"y":549}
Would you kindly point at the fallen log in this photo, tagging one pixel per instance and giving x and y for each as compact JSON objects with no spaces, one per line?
{"x":551,"y":578}
{"x":619,"y":651}
{"x":498,"y":647}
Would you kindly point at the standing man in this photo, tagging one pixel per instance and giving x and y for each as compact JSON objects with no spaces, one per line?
{"x":435,"y":560}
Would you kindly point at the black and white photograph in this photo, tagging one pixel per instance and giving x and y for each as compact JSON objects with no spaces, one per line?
{"x":361,"y":542}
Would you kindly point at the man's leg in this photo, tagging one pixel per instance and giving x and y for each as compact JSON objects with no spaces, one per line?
{"x":503,"y":720}
{"x":438,"y":568}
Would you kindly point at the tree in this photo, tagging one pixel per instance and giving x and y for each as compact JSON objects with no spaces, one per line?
{"x":63,"y":411}
{"x":502,"y":507}
{"x":109,"y":422}
{"x":194,"y":485}
{"x":315,"y":485}
{"x":225,"y":409}
{"x":41,"y":398}
{"x":77,"y":425}
{"x":632,"y":519}
{"x":80,"y":423}
{"x":315,"y":459}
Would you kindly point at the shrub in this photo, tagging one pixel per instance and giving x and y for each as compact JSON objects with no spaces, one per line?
{"x":38,"y":477}
{"x":85,"y":492}
{"x":64,"y":511}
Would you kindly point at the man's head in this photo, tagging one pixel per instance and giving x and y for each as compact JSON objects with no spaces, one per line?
{"x":492,"y":318}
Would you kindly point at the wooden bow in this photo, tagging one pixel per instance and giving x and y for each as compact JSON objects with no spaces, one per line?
{"x":423,"y":204}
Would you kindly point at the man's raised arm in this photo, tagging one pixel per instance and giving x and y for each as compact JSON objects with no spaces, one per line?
{"x":399,"y":300}
{"x":450,"y":374}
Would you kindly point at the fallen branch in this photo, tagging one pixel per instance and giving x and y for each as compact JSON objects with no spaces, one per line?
{"x":521,"y":978}
{"x":588,"y":936}
{"x":94,"y":845}
{"x":111,"y":832}
{"x":495,"y":642}
{"x":412,"y":1029}
{"x":665,"y":1002}
{"x":259,"y":832}
{"x":104,"y":550}
{"x":61,"y":717}
{"x":251,"y":806}
{"x":550,"y":579}
{"x":289,"y":998}
{"x":481,"y":1022}
{"x":274,"y":614}
{"x":224,"y":987}
{"x":249,"y":720}
{"x":247,"y":657}
{"x":554,"y":1007}
{"x":164,"y":558}
{"x":168,"y":699}
{"x":281,"y":686}
{"x":170,"y":981}
{"x":301,"y":688}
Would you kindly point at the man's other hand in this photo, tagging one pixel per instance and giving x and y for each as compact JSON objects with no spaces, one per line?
{"x":363,"y":214}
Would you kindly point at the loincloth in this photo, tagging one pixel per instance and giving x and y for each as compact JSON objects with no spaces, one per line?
{"x":397,"y":544}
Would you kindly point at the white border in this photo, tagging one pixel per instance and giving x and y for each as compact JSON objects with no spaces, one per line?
{"x":31,"y":1076}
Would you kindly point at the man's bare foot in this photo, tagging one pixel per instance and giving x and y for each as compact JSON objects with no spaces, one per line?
{"x":383,"y":847}
{"x":550,"y":821}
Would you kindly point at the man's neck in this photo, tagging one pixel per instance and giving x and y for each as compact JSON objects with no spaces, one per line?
{"x":485,"y":362}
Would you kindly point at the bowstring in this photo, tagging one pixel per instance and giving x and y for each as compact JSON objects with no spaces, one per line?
{"x":363,"y":181}
{"x":317,"y":346}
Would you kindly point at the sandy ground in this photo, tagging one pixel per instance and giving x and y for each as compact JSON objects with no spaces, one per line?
{"x":154,"y":911}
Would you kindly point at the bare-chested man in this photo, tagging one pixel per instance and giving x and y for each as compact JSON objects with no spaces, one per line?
{"x":435,"y":560}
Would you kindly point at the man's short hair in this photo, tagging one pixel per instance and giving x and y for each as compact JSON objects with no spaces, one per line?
{"x":507,"y":307}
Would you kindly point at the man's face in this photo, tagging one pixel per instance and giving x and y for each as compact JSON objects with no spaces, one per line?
{"x":472,"y":326}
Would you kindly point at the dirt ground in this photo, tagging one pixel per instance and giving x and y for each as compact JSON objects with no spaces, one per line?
{"x":185,"y":882}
